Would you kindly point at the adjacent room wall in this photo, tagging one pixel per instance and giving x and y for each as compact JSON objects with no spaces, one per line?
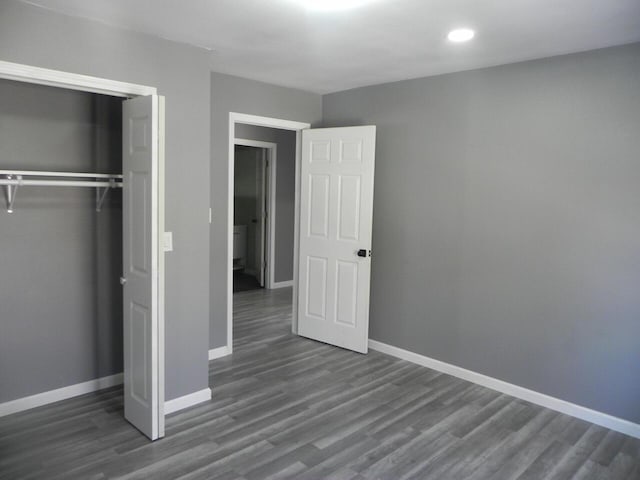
{"x":234,"y":94}
{"x":506,"y":231}
{"x":39,"y":37}
{"x":245,"y":196}
{"x":60,"y":300}
{"x":285,"y":192}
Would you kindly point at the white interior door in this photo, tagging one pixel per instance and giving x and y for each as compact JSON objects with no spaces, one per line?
{"x":143,"y":331}
{"x":336,"y":211}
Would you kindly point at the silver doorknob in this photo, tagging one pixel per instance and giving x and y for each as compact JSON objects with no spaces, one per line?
{"x":123,"y":280}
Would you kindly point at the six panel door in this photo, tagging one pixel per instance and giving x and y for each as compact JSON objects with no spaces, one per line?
{"x":143,"y":362}
{"x":336,"y":212}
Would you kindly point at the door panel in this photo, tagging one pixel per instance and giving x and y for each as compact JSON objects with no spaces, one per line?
{"x":349,"y":208}
{"x":336,"y":212}
{"x":143,"y":359}
{"x":346,"y":293}
{"x":317,"y":287}
{"x":139,"y":334}
{"x":319,"y":205}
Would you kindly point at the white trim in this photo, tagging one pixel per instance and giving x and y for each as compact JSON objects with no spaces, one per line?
{"x":272,"y":149}
{"x":64,"y":393}
{"x":72,"y":81}
{"x":260,"y":122}
{"x":562,"y":406}
{"x":219,"y":352}
{"x":187,"y":401}
{"x":156,"y":251}
{"x":161,"y":264}
{"x":285,"y":284}
{"x":269,"y":122}
{"x":296,"y":235}
{"x":230,"y":204}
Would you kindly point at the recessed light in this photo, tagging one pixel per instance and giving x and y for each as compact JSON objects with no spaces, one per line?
{"x":332,"y":5}
{"x":461,"y":35}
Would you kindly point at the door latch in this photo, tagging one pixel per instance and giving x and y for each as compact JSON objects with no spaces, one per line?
{"x":364,"y":253}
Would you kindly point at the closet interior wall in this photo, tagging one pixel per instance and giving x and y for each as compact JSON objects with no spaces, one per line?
{"x":245,"y":211}
{"x":60,"y":260}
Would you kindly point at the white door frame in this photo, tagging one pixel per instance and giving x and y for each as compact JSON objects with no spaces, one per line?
{"x":268,"y":122}
{"x":270,"y":248}
{"x":85,"y":83}
{"x":72,"y":81}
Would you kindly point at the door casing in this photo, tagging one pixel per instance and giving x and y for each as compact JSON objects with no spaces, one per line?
{"x":270,"y":181}
{"x":268,"y":122}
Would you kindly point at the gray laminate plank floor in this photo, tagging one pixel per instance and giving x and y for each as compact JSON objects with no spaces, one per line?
{"x":285,"y":407}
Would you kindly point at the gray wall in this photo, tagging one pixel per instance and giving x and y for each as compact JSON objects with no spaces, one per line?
{"x":60,"y":301}
{"x":234,"y":94}
{"x":42,"y":38}
{"x":507,"y":222}
{"x":285,"y":192}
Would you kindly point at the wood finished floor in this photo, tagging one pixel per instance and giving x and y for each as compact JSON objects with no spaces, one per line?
{"x":288,"y":408}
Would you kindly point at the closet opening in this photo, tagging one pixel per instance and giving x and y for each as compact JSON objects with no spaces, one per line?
{"x":60,"y":296}
{"x":81,"y":217}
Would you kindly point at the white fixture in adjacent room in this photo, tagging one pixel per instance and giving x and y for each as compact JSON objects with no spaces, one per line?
{"x":460,"y":35}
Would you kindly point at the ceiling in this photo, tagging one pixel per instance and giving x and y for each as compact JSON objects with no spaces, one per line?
{"x":284,"y":43}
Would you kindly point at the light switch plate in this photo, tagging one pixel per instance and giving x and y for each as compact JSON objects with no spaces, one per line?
{"x":168,"y":241}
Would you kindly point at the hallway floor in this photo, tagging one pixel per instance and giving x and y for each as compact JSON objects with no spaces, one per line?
{"x":243,"y":282}
{"x":285,"y":407}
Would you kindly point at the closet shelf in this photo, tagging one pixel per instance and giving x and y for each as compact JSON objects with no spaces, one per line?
{"x":102,"y":182}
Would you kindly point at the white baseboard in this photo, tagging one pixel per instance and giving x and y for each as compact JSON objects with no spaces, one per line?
{"x":288,"y":283}
{"x":64,"y":393}
{"x":219,"y":352}
{"x":187,"y":401}
{"x":578,"y":411}
{"x":51,"y":396}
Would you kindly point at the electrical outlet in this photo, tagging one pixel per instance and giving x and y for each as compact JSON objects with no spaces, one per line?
{"x":168,"y":241}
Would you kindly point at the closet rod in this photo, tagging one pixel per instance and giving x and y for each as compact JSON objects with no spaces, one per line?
{"x":103,"y":183}
{"x":59,"y":174}
{"x":58,"y":183}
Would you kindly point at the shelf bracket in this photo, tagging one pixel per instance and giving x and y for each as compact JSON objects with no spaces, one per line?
{"x":101,"y":194}
{"x":11,"y":192}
